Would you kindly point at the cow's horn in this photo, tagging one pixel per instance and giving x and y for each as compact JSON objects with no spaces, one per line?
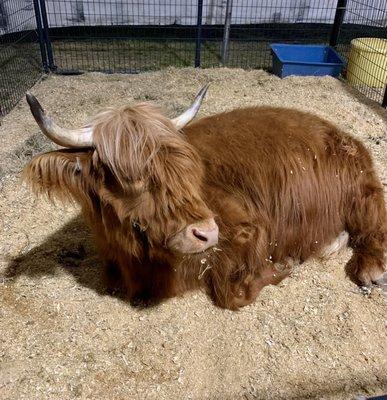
{"x":73,"y":138}
{"x":182,"y":120}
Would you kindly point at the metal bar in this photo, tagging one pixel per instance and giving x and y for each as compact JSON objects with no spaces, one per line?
{"x":226,"y":32}
{"x":199,"y":34}
{"x":40,"y":35}
{"x":384,"y":102}
{"x":46,"y":35}
{"x":3,"y":16}
{"x":339,"y":17}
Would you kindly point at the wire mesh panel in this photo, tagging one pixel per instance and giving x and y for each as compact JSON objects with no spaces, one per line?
{"x":20,"y":58}
{"x":363,"y":42}
{"x":122,"y":36}
{"x":257,"y":24}
{"x":134,"y":36}
{"x":129,"y":36}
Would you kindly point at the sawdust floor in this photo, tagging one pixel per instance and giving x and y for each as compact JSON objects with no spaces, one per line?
{"x":62,"y":337}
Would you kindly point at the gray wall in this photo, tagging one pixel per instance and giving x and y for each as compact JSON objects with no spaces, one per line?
{"x":137,"y":12}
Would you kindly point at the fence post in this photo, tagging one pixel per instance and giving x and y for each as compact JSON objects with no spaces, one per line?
{"x":40,"y":35}
{"x":226,"y":33}
{"x":199,"y":33}
{"x":339,"y":17}
{"x":46,"y":35}
{"x":384,"y":101}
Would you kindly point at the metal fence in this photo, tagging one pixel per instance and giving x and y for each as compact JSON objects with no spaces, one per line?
{"x":367,"y":57}
{"x":20,"y":57}
{"x":73,"y":36}
{"x":165,"y":33}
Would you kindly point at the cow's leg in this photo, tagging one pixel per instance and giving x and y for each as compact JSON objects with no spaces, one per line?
{"x":367,"y":228}
{"x":112,"y":277}
{"x":272,"y":274}
{"x":148,"y":283}
{"x":121,"y":281}
{"x":124,"y":279}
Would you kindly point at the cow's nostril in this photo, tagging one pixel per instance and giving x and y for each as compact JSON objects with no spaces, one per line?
{"x":199,"y":235}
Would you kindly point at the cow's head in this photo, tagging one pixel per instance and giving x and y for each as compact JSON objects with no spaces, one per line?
{"x":133,"y":167}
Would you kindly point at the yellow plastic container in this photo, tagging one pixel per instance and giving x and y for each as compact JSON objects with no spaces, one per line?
{"x":367,"y":63}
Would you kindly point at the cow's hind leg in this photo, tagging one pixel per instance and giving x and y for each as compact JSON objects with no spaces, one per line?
{"x":366,"y":225}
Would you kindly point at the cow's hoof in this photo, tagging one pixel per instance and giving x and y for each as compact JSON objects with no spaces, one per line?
{"x":365,"y":290}
{"x":365,"y":270}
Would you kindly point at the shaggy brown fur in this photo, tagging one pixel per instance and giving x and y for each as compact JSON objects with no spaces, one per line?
{"x":282,"y":185}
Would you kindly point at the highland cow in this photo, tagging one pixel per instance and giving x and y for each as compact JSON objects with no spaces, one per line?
{"x":228,"y":203}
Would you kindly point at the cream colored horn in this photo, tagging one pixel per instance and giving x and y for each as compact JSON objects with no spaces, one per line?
{"x":72,"y":138}
{"x":185,"y":118}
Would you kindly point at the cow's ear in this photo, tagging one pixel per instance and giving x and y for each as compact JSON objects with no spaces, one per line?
{"x":65,"y":175}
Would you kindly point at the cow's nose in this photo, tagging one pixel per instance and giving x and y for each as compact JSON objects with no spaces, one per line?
{"x":206,"y":233}
{"x":202,"y":235}
{"x":195,"y":238}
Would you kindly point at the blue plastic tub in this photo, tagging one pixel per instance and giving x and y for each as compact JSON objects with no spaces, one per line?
{"x":305,"y":60}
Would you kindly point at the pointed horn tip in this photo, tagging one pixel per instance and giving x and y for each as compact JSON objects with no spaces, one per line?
{"x":35,"y":107}
{"x":205,"y":88}
{"x":30,"y":98}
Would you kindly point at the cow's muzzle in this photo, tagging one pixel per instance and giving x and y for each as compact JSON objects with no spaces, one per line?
{"x":195,"y":238}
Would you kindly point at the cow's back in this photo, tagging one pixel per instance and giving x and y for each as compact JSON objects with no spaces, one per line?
{"x":292,"y":171}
